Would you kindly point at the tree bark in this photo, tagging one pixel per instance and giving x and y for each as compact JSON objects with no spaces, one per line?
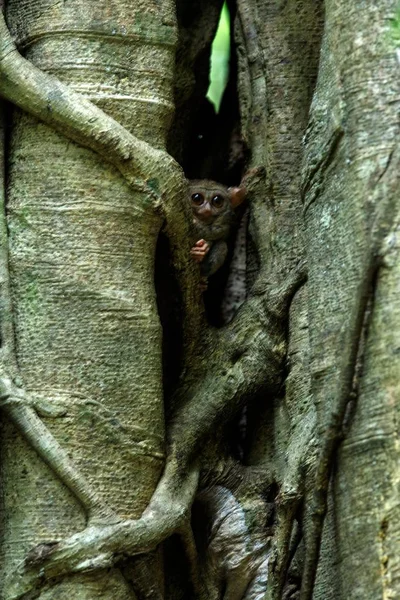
{"x":93,"y":472}
{"x":351,"y":176}
{"x":82,"y":245}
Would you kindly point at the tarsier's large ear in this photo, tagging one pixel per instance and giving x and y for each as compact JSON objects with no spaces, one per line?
{"x":236,"y":195}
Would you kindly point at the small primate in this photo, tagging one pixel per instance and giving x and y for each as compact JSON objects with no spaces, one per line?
{"x":213,"y":207}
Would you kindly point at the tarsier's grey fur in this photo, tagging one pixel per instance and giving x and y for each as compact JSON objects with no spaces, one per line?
{"x":216,"y":229}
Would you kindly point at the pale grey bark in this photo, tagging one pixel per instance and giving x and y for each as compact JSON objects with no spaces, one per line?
{"x":82,"y":382}
{"x":82,"y":245}
{"x":351,"y":203}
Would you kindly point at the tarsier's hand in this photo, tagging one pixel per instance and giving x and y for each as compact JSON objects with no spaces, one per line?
{"x":200,"y":251}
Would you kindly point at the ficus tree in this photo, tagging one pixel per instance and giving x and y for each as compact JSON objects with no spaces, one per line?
{"x":125,"y":473}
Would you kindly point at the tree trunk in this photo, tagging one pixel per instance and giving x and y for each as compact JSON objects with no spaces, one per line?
{"x":94,"y":470}
{"x":351,"y":183}
{"x":82,"y":246}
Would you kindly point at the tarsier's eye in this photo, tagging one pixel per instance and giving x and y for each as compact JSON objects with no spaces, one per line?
{"x":217,"y":201}
{"x":197,"y":199}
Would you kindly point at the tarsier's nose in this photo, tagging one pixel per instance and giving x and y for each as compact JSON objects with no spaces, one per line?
{"x":205,"y":212}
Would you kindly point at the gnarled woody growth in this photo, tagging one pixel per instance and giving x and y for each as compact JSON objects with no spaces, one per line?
{"x":246,"y":356}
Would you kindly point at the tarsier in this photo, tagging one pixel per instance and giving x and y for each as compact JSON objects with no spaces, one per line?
{"x":213,"y":207}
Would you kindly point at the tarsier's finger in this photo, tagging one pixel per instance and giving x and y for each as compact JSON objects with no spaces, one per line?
{"x":202,"y":244}
{"x":198,"y":254}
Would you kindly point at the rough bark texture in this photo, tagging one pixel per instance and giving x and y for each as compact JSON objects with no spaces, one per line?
{"x":351,"y":176}
{"x":82,"y":247}
{"x":279,"y":49}
{"x":84,"y":436}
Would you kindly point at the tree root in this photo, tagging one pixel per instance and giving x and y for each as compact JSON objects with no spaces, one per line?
{"x":286,"y":508}
{"x":99,"y":547}
{"x":22,"y":409}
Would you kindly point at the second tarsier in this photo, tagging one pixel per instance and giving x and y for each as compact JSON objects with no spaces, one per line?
{"x":213,"y":208}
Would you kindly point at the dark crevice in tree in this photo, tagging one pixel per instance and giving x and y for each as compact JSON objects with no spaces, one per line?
{"x":197,"y":24}
{"x":139,"y":573}
{"x":210,"y":144}
{"x":169,"y":305}
{"x":215,"y":148}
{"x":177,"y":583}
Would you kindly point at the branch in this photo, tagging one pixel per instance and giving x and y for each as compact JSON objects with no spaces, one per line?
{"x":22,"y":411}
{"x":245,"y":356}
{"x":287,"y":504}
